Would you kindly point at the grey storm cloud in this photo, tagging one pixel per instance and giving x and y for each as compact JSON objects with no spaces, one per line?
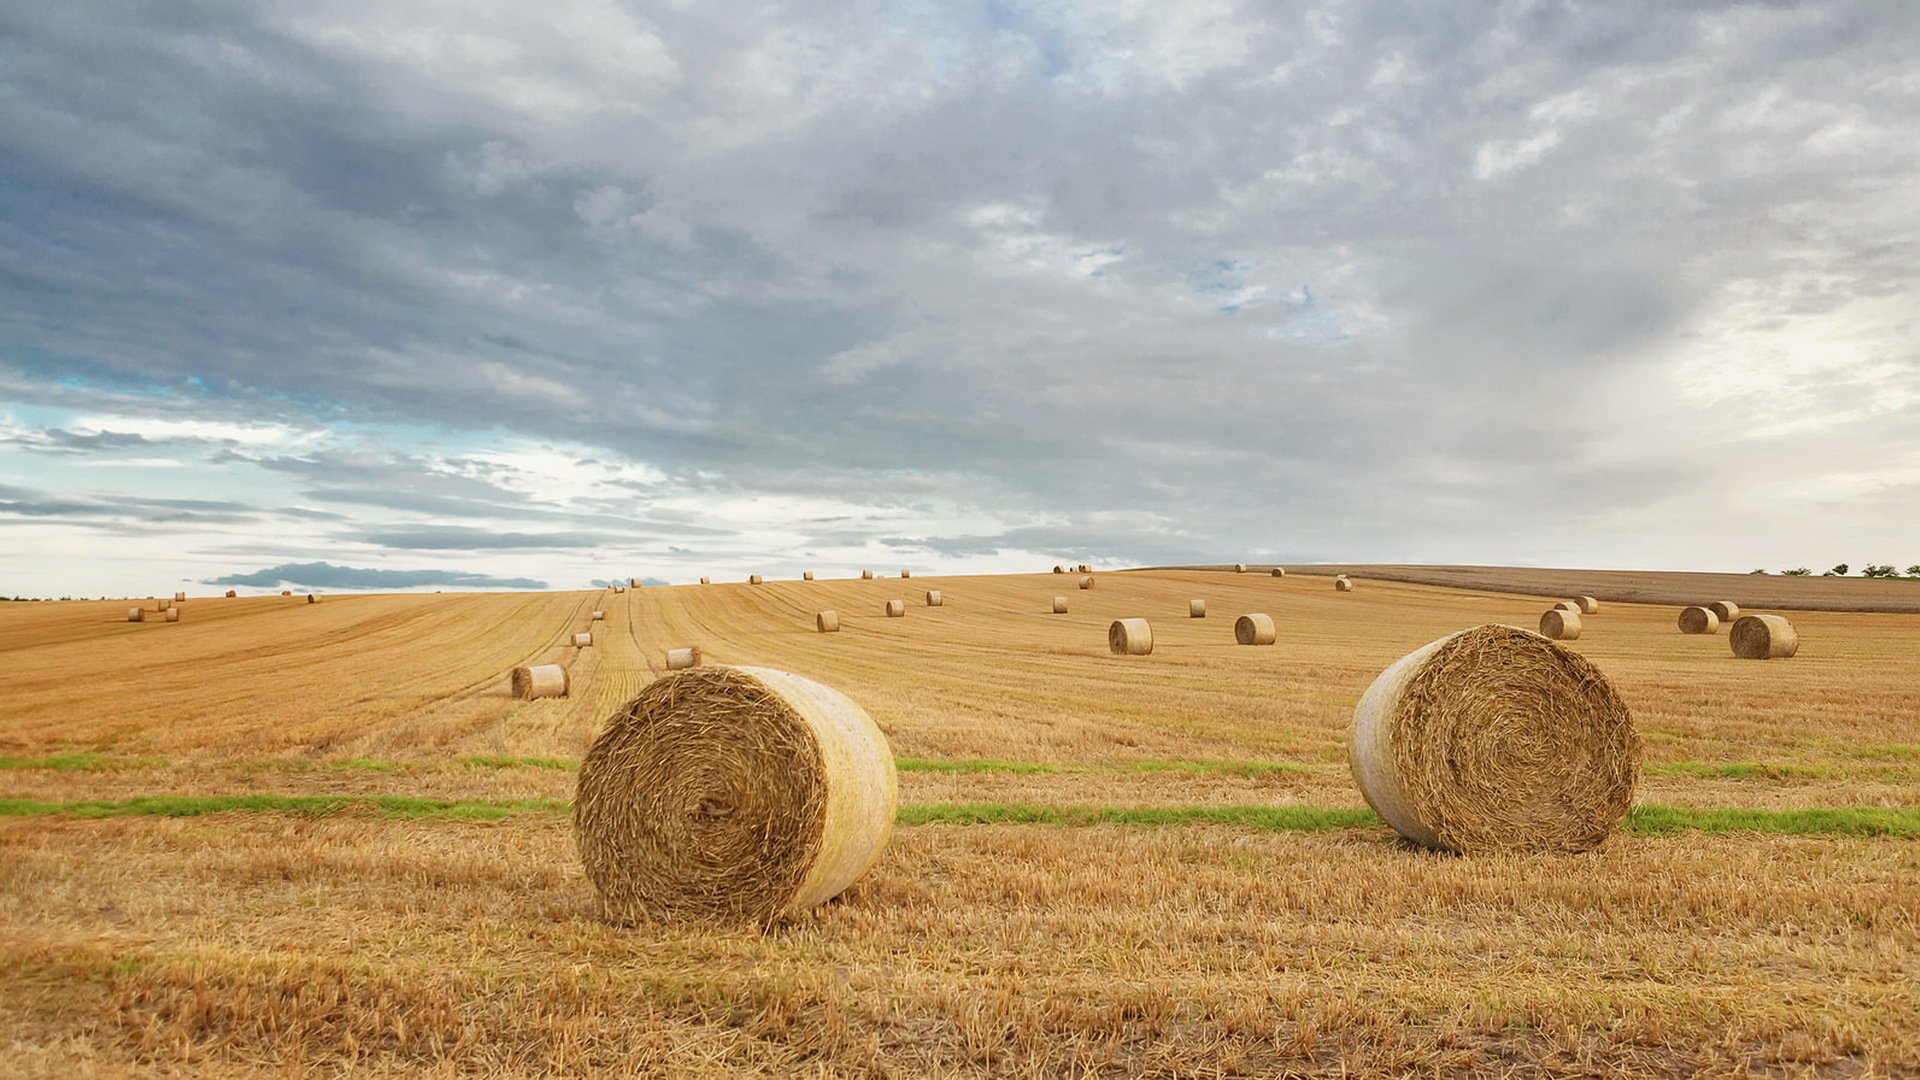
{"x":1306,"y":279}
{"x":61,"y":441}
{"x":324,"y":575}
{"x":456,"y":538}
{"x":97,"y":510}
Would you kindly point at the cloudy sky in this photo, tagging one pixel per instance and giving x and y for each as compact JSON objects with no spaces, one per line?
{"x":469,"y":294}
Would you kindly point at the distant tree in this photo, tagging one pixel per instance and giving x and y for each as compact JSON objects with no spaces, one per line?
{"x":1885,"y":570}
{"x":1914,"y":570}
{"x":1758,"y":570}
{"x":1839,"y":570}
{"x":1798,"y":571}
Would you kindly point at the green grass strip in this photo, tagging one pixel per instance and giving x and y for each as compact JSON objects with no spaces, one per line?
{"x":1653,"y":819}
{"x":1284,"y":818}
{"x":489,"y":761}
{"x":971,"y":765}
{"x":58,"y":762}
{"x":993,"y":765}
{"x":1744,"y":770}
{"x":391,"y":806}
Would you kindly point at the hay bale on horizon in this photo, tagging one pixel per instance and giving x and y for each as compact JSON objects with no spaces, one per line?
{"x":733,"y":794}
{"x":1086,"y":582}
{"x":1588,"y":605}
{"x":755,"y":579}
{"x":681,"y":659}
{"x":806,"y":575}
{"x":1059,"y":605}
{"x":1239,"y":568}
{"x":1279,"y":571}
{"x":1763,"y":637}
{"x":866,"y":575}
{"x":1130,"y":637}
{"x":934,"y":599}
{"x":1724,"y":610}
{"x":137,"y":614}
{"x":1086,"y":568}
{"x":1561,"y":623}
{"x":313,"y":598}
{"x":232,"y":594}
{"x":1196,"y":609}
{"x":539,"y":680}
{"x":1341,"y":584}
{"x":1699,"y":620}
{"x":286,"y":592}
{"x":1253,"y":629}
{"x":582,"y":640}
{"x":827,"y":622}
{"x":633,"y":583}
{"x":896,"y":609}
{"x":1495,"y":739}
{"x":179,"y":597}
{"x":906,"y":573}
{"x":1059,"y":569}
{"x":704,"y":580}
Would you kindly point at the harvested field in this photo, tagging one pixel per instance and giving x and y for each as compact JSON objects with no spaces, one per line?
{"x":351,"y":853}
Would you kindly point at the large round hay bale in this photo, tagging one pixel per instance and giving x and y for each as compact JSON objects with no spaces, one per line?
{"x":598,"y":616}
{"x":681,"y":659}
{"x":934,"y":599}
{"x":1254,"y":629}
{"x":1496,"y":739}
{"x":826,"y":622}
{"x":1724,"y":610}
{"x":866,"y":575}
{"x":172,"y":614}
{"x":1086,"y":582}
{"x":806,"y":575}
{"x":1698,"y":620}
{"x":1279,"y":571}
{"x":1341,"y":584}
{"x":1196,"y":609}
{"x":896,"y":609}
{"x":1763,"y":637}
{"x":1059,"y":605}
{"x":581,"y":641}
{"x":1239,"y":568}
{"x":733,"y":794}
{"x":1130,"y":637}
{"x":1560,"y":624}
{"x":232,"y":593}
{"x":755,"y":579}
{"x":539,"y":680}
{"x":1588,"y":605}
{"x":137,"y":614}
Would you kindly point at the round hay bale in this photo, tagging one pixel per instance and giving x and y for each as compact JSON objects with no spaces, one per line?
{"x":1588,"y":605}
{"x":1130,"y":637}
{"x":1086,"y":568}
{"x":806,"y":575}
{"x":755,"y":579}
{"x":598,"y":616}
{"x":934,"y":599}
{"x":1254,"y":629}
{"x":1279,"y":571}
{"x":1196,"y":609}
{"x":1239,"y":568}
{"x":137,"y":614}
{"x":1763,"y":637}
{"x":896,"y":609}
{"x":1341,"y":584}
{"x":232,"y":593}
{"x":1059,"y":569}
{"x":1059,"y":605}
{"x":581,"y":641}
{"x":633,"y":583}
{"x":172,"y":614}
{"x":1724,"y":610}
{"x":1495,"y":739}
{"x":179,"y":596}
{"x":681,"y":659}
{"x":733,"y":794}
{"x":1568,"y":605}
{"x":286,"y":592}
{"x":539,"y":680}
{"x":1560,"y":624}
{"x":826,"y":622}
{"x":1699,"y":620}
{"x":705,"y":580}
{"x":906,"y":573}
{"x":313,"y":598}
{"x":866,"y":575}
{"x":1086,"y":582}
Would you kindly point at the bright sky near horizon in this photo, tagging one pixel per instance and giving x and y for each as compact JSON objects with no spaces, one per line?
{"x":494,"y":294}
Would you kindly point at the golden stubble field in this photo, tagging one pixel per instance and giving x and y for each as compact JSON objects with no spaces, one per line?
{"x":330,"y":932}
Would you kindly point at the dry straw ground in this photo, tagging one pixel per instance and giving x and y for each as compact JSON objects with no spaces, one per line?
{"x":1177,"y":875}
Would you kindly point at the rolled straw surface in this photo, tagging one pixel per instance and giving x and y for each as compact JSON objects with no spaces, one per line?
{"x":705,"y":580}
{"x":1059,"y":569}
{"x":598,"y":616}
{"x":1588,"y":605}
{"x":866,"y":575}
{"x":1254,"y":629}
{"x":1130,"y":637}
{"x":539,"y":680}
{"x":826,"y":622}
{"x":934,"y":599}
{"x":906,"y":573}
{"x":733,"y":794}
{"x":1496,"y":739}
{"x":1341,"y":584}
{"x":1239,"y":568}
{"x":1279,"y":571}
{"x":1059,"y":605}
{"x":806,"y":575}
{"x":896,"y":609}
{"x":1560,"y":624}
{"x":1763,"y":637}
{"x":581,"y":641}
{"x":754,"y":579}
{"x":1568,"y":605}
{"x":172,"y":614}
{"x":313,"y":598}
{"x":1724,"y":610}
{"x":232,"y":593}
{"x":1086,"y":582}
{"x":681,"y":659}
{"x":1698,"y":620}
{"x":137,"y":614}
{"x":1196,"y":609}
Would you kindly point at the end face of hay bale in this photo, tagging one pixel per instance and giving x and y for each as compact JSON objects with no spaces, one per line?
{"x":1196,"y":609}
{"x":934,"y":599}
{"x":1341,"y":584}
{"x":896,"y":609}
{"x":138,"y":614}
{"x":1059,"y":569}
{"x":1130,"y":637}
{"x":1724,"y":610}
{"x":866,"y":575}
{"x":1239,"y":568}
{"x":1086,"y":582}
{"x":1254,"y":629}
{"x":1496,"y":739}
{"x":1560,"y":624}
{"x":733,"y":794}
{"x":581,"y":641}
{"x":1059,"y":605}
{"x":598,"y":616}
{"x":1763,"y":637}
{"x":1588,"y":605}
{"x":826,"y":622}
{"x":755,"y":579}
{"x":1279,"y":572}
{"x":1699,"y":620}
{"x":681,"y":659}
{"x":540,"y":681}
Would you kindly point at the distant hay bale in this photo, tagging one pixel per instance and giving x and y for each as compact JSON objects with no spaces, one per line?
{"x":934,"y":599}
{"x":539,"y":680}
{"x":1086,"y":582}
{"x":1059,"y":605}
{"x":1588,"y":605}
{"x":1130,"y":637}
{"x":681,"y":659}
{"x":1086,"y":568}
{"x":896,"y":609}
{"x":582,"y":640}
{"x":826,"y":622}
{"x":1724,"y":610}
{"x":1239,"y":568}
{"x":755,"y":579}
{"x":866,"y":575}
{"x":137,"y":614}
{"x":232,"y":593}
{"x":1254,"y":629}
{"x":1568,"y":605}
{"x":806,"y":575}
{"x":179,"y":596}
{"x":1341,"y":584}
{"x":1699,"y":620}
{"x":733,"y":794}
{"x":1763,"y":637}
{"x":618,"y":588}
{"x":704,"y":580}
{"x":1196,"y":609}
{"x":1560,"y":624}
{"x":1279,"y":571}
{"x":633,"y":583}
{"x":1059,"y":569}
{"x":1495,"y":739}
{"x":286,"y":592}
{"x":598,"y":616}
{"x":172,"y":614}
{"x":906,"y":573}
{"x":313,"y":598}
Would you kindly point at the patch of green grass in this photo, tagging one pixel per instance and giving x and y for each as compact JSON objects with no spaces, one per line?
{"x":391,"y":806}
{"x":488,"y":761}
{"x":370,"y":765}
{"x":993,"y":765}
{"x":1743,"y":770}
{"x":56,"y":762}
{"x":1219,"y":768}
{"x":1889,"y":752}
{"x":1287,"y":818}
{"x":1653,"y":819}
{"x":970,"y":765}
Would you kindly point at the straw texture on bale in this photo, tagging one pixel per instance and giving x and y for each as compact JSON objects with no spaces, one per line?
{"x":1254,"y":629}
{"x":1724,"y":610}
{"x":896,"y":609}
{"x":581,"y":641}
{"x":1130,"y":637}
{"x":681,"y":659}
{"x":1588,"y":605}
{"x":934,"y":599}
{"x":540,"y":680}
{"x":232,"y":593}
{"x":172,"y":614}
{"x":1196,"y":609}
{"x":1341,"y":584}
{"x":1239,"y":568}
{"x":754,"y":579}
{"x":1699,"y":620}
{"x":1086,"y":582}
{"x":137,"y":614}
{"x":1568,"y":605}
{"x":598,"y":616}
{"x":1560,"y":623}
{"x":806,"y":575}
{"x":1763,"y":637}
{"x":733,"y":794}
{"x":1059,"y":605}
{"x":1279,"y":572}
{"x":1496,"y":739}
{"x":866,"y":575}
{"x":827,"y":622}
